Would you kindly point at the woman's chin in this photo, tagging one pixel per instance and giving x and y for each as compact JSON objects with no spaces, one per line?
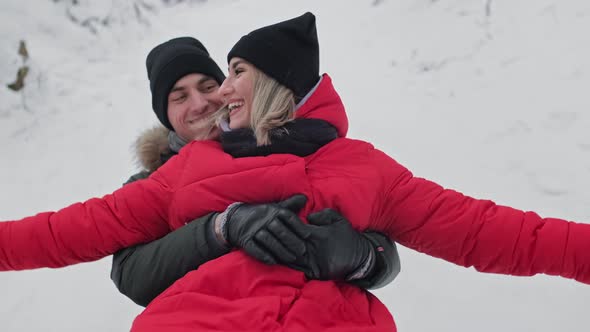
{"x":236,"y":124}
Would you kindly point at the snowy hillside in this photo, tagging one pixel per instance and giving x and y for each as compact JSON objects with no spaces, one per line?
{"x":486,"y":97}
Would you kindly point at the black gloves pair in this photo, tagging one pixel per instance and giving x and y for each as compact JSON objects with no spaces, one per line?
{"x":327,"y":248}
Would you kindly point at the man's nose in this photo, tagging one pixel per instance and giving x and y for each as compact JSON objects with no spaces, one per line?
{"x":215,"y":98}
{"x":198,"y":103}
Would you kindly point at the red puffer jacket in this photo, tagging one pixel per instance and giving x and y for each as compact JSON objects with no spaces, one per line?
{"x":237,"y":293}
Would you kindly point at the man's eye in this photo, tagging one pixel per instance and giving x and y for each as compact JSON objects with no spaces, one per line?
{"x":179,"y":98}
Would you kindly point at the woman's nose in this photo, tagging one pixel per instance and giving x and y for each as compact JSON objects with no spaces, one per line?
{"x":225,"y":88}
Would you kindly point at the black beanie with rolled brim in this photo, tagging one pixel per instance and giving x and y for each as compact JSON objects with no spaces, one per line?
{"x":287,"y":51}
{"x":172,"y":60}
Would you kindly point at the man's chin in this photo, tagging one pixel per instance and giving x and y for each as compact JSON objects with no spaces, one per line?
{"x":214,"y":134}
{"x":206,"y":133}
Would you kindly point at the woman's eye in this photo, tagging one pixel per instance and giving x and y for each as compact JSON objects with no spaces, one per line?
{"x":238,"y":71}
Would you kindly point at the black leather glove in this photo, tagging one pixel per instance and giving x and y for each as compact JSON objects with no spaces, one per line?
{"x":247,"y":226}
{"x":335,"y":250}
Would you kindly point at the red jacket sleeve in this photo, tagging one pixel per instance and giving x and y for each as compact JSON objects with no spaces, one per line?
{"x":86,"y":231}
{"x":469,"y":232}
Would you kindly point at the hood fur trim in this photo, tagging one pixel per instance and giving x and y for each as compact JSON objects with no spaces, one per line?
{"x":150,"y":146}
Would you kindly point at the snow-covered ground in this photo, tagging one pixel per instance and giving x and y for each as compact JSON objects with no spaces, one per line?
{"x":488,"y":97}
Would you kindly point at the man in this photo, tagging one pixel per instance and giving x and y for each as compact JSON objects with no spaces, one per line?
{"x":184,"y":81}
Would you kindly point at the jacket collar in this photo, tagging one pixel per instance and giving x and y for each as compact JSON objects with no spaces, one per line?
{"x":324,"y":103}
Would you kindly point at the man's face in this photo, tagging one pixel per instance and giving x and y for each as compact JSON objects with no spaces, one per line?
{"x":192,"y":103}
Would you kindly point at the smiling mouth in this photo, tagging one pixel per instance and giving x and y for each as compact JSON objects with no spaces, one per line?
{"x":234,"y":107}
{"x":202,"y":117}
{"x":195,"y":120}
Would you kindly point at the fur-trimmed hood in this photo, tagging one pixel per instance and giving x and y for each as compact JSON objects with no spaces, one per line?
{"x":150,"y":148}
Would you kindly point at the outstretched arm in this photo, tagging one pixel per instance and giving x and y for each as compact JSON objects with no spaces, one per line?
{"x":422,"y":215}
{"x":86,"y":231}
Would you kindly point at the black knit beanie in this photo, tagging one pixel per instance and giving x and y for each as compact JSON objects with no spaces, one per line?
{"x":287,"y":51}
{"x":169,"y":62}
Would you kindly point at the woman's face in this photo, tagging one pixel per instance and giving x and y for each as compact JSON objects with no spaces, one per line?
{"x":237,"y":92}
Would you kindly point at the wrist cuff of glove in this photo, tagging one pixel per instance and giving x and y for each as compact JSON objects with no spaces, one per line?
{"x":364,"y":269}
{"x":214,"y":243}
{"x":387,"y":264}
{"x":221,"y":227}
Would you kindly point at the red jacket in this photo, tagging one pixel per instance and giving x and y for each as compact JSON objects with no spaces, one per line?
{"x":235,"y":292}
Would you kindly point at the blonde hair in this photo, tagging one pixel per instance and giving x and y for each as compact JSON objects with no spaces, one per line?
{"x":273,"y":105}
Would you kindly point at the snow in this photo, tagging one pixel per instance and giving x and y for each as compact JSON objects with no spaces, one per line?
{"x":485,"y":97}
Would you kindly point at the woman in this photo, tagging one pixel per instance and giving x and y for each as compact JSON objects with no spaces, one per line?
{"x":235,"y":292}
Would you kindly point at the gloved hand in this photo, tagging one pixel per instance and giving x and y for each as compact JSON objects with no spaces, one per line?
{"x":247,"y":226}
{"x":335,"y":251}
